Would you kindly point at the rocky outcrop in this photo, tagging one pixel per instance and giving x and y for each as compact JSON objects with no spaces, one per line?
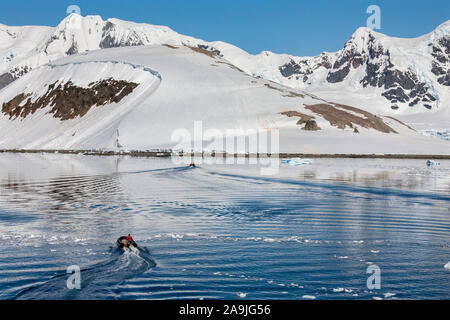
{"x":73,"y":48}
{"x":365,"y":53}
{"x":398,"y":86}
{"x":68,"y":101}
{"x":441,"y":60}
{"x":110,"y":40}
{"x":311,"y":125}
{"x":210,"y":49}
{"x":6,"y":79}
{"x":342,"y":116}
{"x":302,"y":69}
{"x":11,"y":76}
{"x":307,"y":120}
{"x":350,"y":57}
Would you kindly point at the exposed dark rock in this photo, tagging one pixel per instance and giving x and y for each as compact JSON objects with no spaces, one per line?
{"x":325,"y":62}
{"x":304,"y":68}
{"x":445,"y":80}
{"x":441,"y":60}
{"x":73,"y":49}
{"x":169,"y":46}
{"x":6,"y":79}
{"x":338,"y":116}
{"x":213,"y":50}
{"x":413,"y":103}
{"x":13,"y":75}
{"x":400,"y":86}
{"x":68,"y":101}
{"x":289,"y":69}
{"x":203,"y":51}
{"x":338,"y":76}
{"x":303,"y":117}
{"x":397,"y":95}
{"x":407,"y":80}
{"x":311,"y":125}
{"x":109,"y":41}
{"x":429,"y":96}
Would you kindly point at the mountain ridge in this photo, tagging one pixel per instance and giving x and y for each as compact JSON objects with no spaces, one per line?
{"x":379,"y":73}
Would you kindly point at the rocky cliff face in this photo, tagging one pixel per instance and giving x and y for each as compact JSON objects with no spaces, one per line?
{"x":366,"y":59}
{"x":68,"y":101}
{"x":441,"y":60}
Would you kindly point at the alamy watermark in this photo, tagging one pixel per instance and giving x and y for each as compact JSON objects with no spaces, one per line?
{"x":229,"y":146}
{"x":374,"y":280}
{"x":74,"y":280}
{"x":75,"y":22}
{"x":374,"y":20}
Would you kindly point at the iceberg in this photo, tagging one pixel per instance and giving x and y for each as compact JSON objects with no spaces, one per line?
{"x":297,"y":161}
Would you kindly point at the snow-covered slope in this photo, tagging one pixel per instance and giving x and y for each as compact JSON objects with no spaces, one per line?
{"x":401,"y":77}
{"x":25,"y":48}
{"x":171,"y":80}
{"x":171,"y":87}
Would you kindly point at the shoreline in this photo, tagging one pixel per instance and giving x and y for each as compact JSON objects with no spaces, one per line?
{"x":167,"y":154}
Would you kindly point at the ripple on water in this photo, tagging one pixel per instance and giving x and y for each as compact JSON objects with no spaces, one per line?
{"x":220,"y":233}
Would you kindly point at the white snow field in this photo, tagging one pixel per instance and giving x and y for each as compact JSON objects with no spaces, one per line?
{"x":178,"y":86}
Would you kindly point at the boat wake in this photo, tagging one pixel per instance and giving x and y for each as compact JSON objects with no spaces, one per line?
{"x":99,"y":280}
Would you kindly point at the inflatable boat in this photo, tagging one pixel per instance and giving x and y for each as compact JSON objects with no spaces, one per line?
{"x":122,"y":243}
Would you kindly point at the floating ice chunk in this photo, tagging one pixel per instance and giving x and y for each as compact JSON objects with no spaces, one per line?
{"x":338,"y":290}
{"x":297,"y":161}
{"x":389,"y":294}
{"x":375,"y":251}
{"x":242,"y":295}
{"x":377,"y":298}
{"x":447,"y":266}
{"x":306,"y":296}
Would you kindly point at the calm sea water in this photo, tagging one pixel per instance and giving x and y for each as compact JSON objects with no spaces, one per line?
{"x":223,"y":231}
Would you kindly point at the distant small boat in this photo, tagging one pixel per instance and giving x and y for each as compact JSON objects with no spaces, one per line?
{"x":431,"y":163}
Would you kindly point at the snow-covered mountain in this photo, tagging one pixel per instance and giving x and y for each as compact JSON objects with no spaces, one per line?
{"x":405,"y":75}
{"x":25,"y":48}
{"x":61,"y":92}
{"x":138,"y":98}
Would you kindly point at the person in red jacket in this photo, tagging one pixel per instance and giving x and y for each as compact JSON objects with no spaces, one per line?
{"x":129,"y":239}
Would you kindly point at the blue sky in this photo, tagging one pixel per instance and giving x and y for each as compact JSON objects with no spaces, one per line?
{"x":299,"y":27}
